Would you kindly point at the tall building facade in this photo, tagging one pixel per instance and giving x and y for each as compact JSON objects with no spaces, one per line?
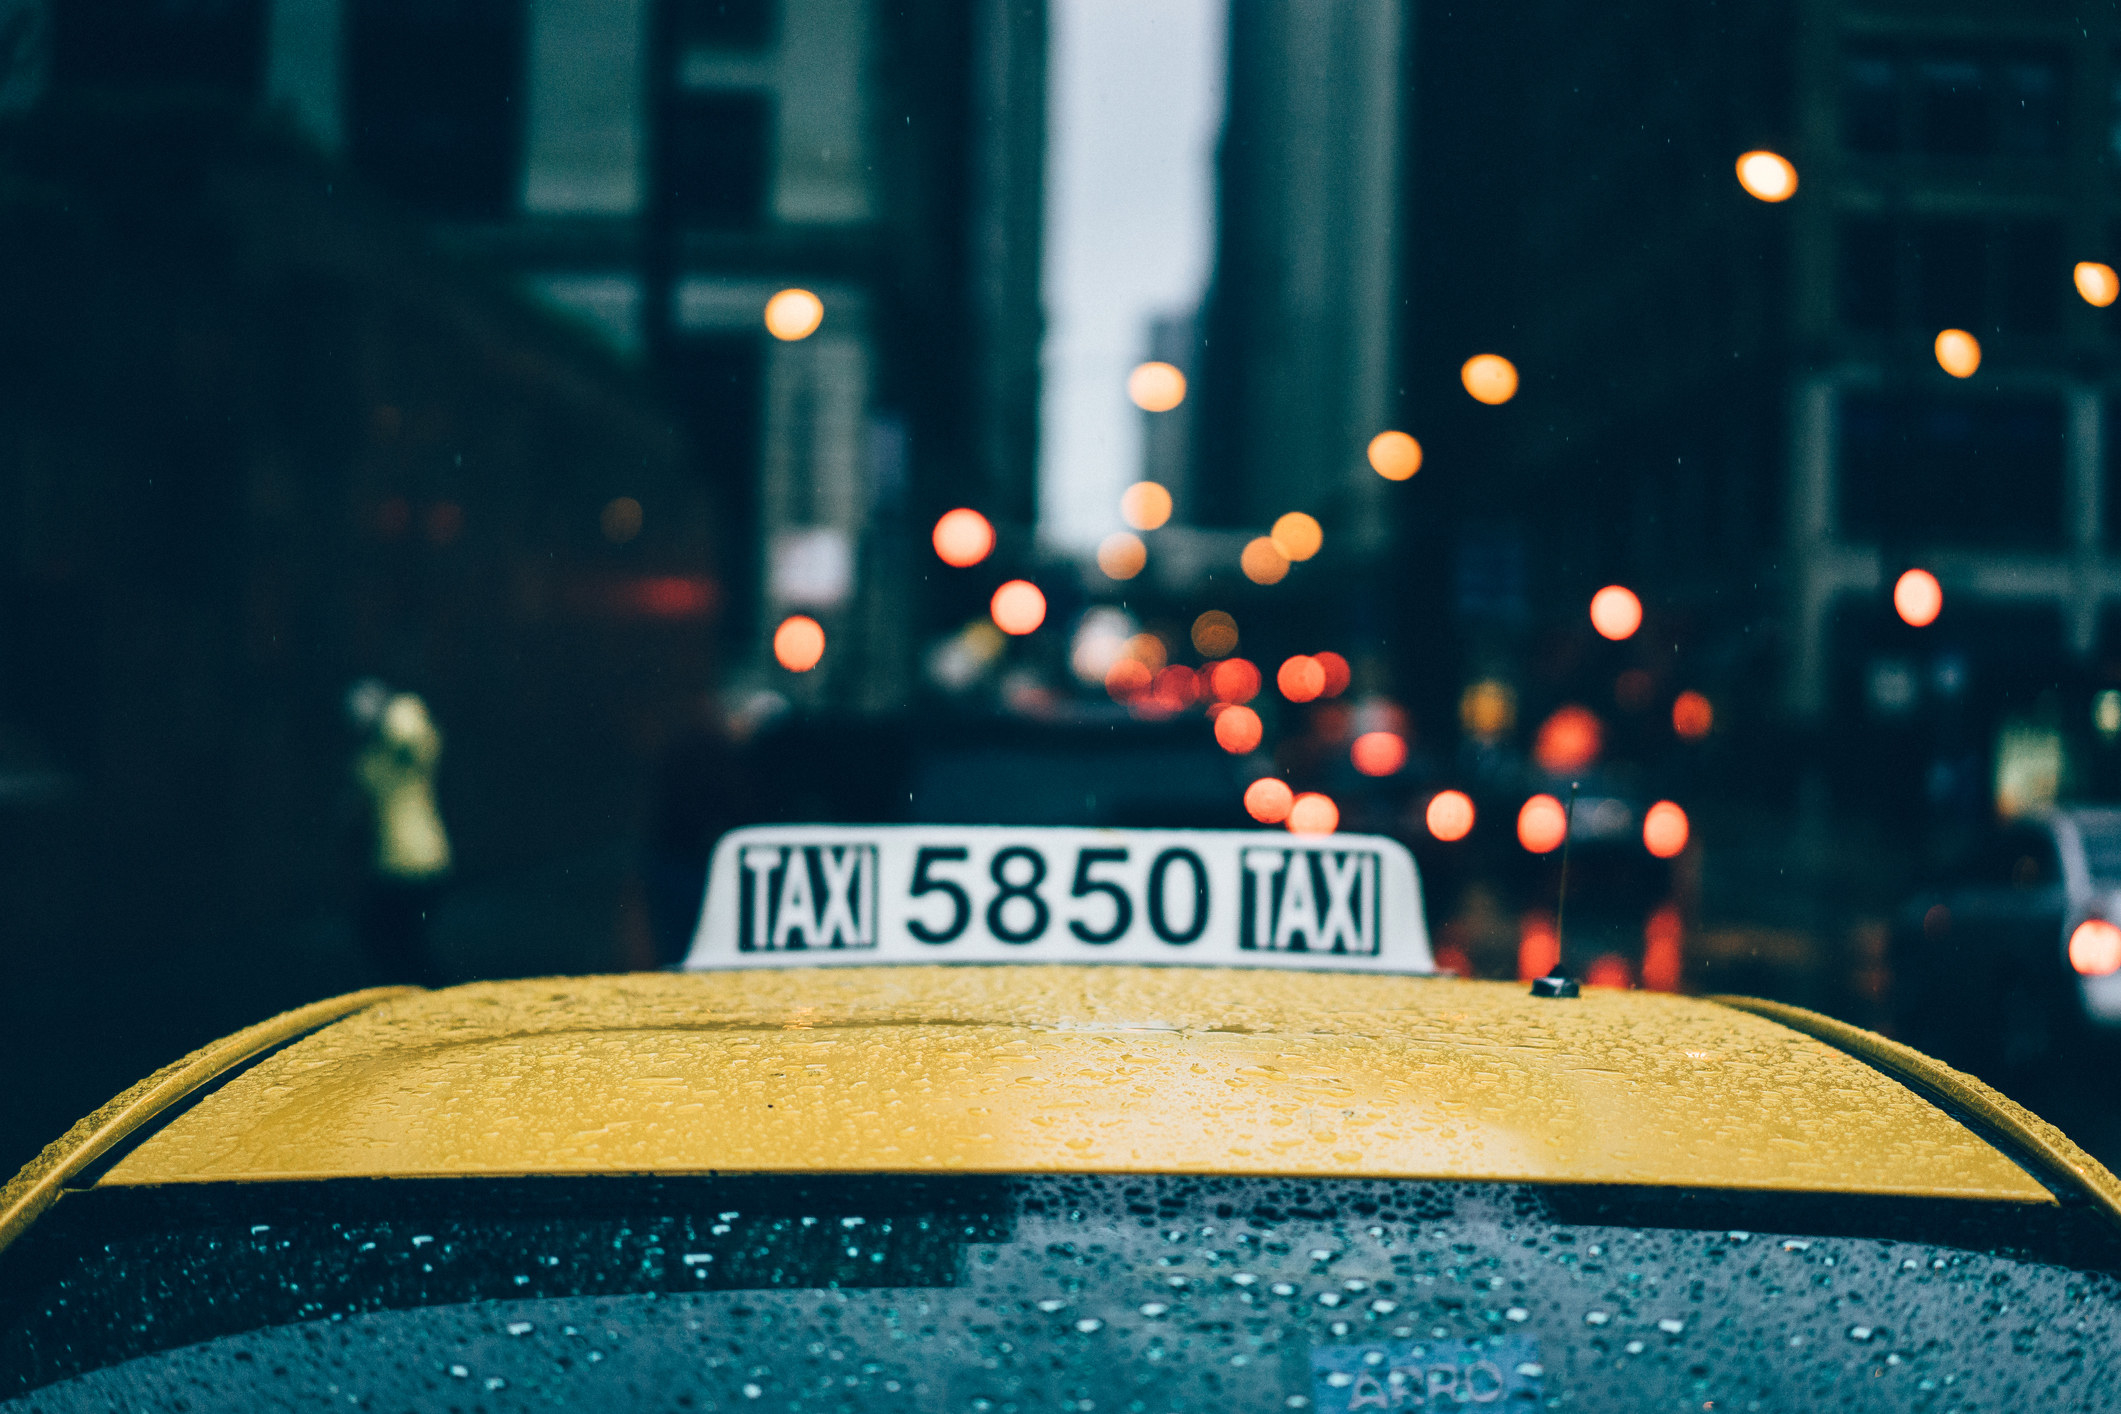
{"x":659,"y":169}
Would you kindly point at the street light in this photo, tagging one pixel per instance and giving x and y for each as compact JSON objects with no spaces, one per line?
{"x":1767,"y":175}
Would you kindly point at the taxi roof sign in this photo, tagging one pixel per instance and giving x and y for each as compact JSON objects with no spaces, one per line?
{"x":808,"y":895}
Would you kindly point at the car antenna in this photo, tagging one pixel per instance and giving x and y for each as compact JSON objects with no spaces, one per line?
{"x":1558,"y":982}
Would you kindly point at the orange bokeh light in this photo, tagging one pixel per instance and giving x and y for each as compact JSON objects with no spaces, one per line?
{"x":1692,"y":716}
{"x":1542,"y":825}
{"x":2095,"y":948}
{"x":1313,"y":814}
{"x":1262,"y":563}
{"x":1121,"y":555}
{"x":963,"y":538}
{"x":1145,"y":505}
{"x":1767,"y":175}
{"x":1127,"y":679}
{"x":1268,"y":800}
{"x":1450,"y":815}
{"x":1490,"y":378}
{"x":1615,"y":612}
{"x":1297,"y":536}
{"x":1338,"y":673}
{"x":1018,"y":607}
{"x":1538,"y":946}
{"x":1664,"y":829}
{"x":1234,"y":680}
{"x":794,"y":314}
{"x":1156,"y":387}
{"x":1958,"y":353}
{"x":1661,"y":961}
{"x":1569,"y":740}
{"x":1238,"y":730}
{"x":1394,"y":455}
{"x":1301,"y":679}
{"x":2097,"y":282}
{"x":798,"y":643}
{"x":1918,"y":598}
{"x":1378,"y":753}
{"x":1609,"y":969}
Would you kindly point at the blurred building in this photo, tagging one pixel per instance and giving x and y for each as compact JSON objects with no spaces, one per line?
{"x":1735,"y":407}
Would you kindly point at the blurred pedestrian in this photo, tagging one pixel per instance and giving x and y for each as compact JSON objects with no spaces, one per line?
{"x":410,"y":861}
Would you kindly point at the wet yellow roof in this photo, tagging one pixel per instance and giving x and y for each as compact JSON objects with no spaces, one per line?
{"x":1073,"y":1069}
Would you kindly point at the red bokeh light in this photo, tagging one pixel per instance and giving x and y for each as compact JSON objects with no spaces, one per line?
{"x":1450,"y":815}
{"x":1661,"y":963}
{"x":1664,"y":829}
{"x":1238,"y":730}
{"x":799,"y":643}
{"x":963,"y":537}
{"x":1615,"y":612}
{"x":1313,"y":814}
{"x":1692,"y":716}
{"x":1918,"y":598}
{"x":1542,"y":825}
{"x":1127,"y":679}
{"x":1378,"y":753}
{"x":1234,"y":680}
{"x":1569,"y":740}
{"x":1301,"y":679}
{"x":1338,"y":673}
{"x":1609,"y":969}
{"x":1268,"y":800}
{"x":1018,"y":607}
{"x":1176,"y":688}
{"x":2095,"y":948}
{"x":1538,"y":945}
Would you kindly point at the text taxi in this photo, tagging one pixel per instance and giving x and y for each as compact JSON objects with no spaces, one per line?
{"x":1270,"y":1163}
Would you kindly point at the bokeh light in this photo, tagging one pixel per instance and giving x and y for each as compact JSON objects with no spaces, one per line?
{"x":794,"y":314}
{"x":1958,"y":353}
{"x":1692,"y":716}
{"x":1156,"y":386}
{"x":1450,"y":815}
{"x":1215,"y":634}
{"x":1262,"y":563}
{"x":1569,"y":740}
{"x":1611,"y":970}
{"x":1267,"y":800}
{"x":963,"y":537}
{"x":1538,"y":945}
{"x":1490,"y":378}
{"x":1338,"y":673}
{"x":2095,"y":948}
{"x":1767,"y":175}
{"x":1661,"y":962}
{"x":1297,"y":536}
{"x":1145,"y":505}
{"x":798,"y":643}
{"x":1121,"y":555}
{"x":1394,"y":455}
{"x":1301,"y":679}
{"x":1313,"y":814}
{"x":1176,"y":688}
{"x":1238,"y":730}
{"x":1148,"y":650}
{"x":1128,"y":679}
{"x":1378,"y":753}
{"x":1664,"y":829}
{"x":1542,"y":824}
{"x":2097,"y":282}
{"x":1488,"y":709}
{"x":1615,"y":612}
{"x":1918,"y":598}
{"x":1234,"y":680}
{"x":620,"y":520}
{"x":1018,"y":607}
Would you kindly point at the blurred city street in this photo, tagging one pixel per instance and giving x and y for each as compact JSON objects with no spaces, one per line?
{"x":459,"y":460}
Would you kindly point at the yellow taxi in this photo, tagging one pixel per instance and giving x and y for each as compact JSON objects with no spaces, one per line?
{"x":995,"y":1121}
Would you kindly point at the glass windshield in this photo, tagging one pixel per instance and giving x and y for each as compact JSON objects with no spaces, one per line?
{"x":1004,"y":1296}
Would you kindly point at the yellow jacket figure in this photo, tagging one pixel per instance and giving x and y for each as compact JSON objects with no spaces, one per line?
{"x":411,"y":857}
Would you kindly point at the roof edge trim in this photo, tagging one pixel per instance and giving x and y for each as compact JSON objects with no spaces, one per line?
{"x":41,"y":1180}
{"x":2040,"y":1145}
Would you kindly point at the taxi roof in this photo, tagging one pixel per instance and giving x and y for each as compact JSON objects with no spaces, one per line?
{"x":1051,"y":1069}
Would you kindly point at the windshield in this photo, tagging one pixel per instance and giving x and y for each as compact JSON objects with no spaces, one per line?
{"x":994,"y":1296}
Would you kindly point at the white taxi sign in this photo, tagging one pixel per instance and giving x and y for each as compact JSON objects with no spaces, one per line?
{"x":786,"y":895}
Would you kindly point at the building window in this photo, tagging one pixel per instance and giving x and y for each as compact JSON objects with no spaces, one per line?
{"x":211,"y":44}
{"x":725,"y":24}
{"x":1991,"y":277}
{"x":432,"y":110}
{"x":1952,"y":104}
{"x":717,"y":159}
{"x":1929,"y":469}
